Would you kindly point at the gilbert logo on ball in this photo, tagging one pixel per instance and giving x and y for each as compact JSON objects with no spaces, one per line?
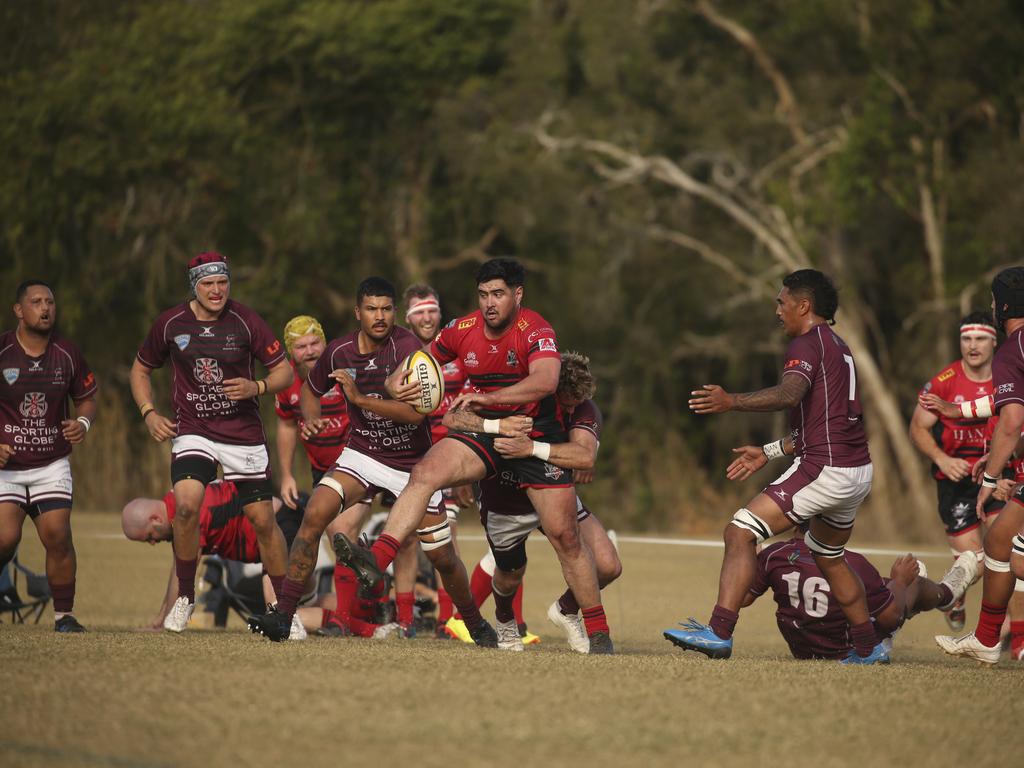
{"x":426,"y":372}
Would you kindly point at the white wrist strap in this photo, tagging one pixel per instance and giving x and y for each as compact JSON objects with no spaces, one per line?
{"x":492,"y":426}
{"x":774,"y":450}
{"x":85,"y":422}
{"x":977,"y":409}
{"x":542,"y":450}
{"x":987,"y":481}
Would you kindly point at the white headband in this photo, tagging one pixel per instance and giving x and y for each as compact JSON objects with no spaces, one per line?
{"x":978,"y":328}
{"x":427,"y":303}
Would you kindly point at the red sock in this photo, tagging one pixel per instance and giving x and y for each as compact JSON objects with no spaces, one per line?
{"x":345,"y":589}
{"x":517,"y":605}
{"x":1017,"y":633}
{"x":185,"y":570}
{"x":444,"y":606}
{"x":384,"y":550}
{"x":362,"y":628}
{"x":326,"y":618}
{"x":990,"y":621}
{"x":594,"y":619}
{"x":64,"y":597}
{"x":723,"y":622}
{"x":567,"y":603}
{"x":403,"y":606}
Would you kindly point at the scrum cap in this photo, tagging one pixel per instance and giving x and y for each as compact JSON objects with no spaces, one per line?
{"x":1008,"y":293}
{"x":208,"y":264}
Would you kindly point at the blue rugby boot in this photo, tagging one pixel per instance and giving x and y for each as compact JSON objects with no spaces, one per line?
{"x":879,"y":655}
{"x":695,"y":636}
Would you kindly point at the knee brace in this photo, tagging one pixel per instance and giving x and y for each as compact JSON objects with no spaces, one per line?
{"x":996,"y":566}
{"x":251,"y":491}
{"x":435,"y":536}
{"x":747,"y":520}
{"x":1018,"y":545}
{"x":821,"y":549}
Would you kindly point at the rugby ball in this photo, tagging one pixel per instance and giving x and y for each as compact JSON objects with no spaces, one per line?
{"x":427,"y":373}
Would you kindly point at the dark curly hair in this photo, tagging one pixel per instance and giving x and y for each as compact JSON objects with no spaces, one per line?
{"x":819,"y":288}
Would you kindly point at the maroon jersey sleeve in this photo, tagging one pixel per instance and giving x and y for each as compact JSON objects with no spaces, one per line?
{"x":156,"y":348}
{"x":265,"y":345}
{"x":1008,"y":372}
{"x":587,"y":416}
{"x":319,"y":379}
{"x":83,"y":382}
{"x":803,"y":358}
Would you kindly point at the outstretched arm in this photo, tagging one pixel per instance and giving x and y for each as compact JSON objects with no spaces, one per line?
{"x":711,"y":398}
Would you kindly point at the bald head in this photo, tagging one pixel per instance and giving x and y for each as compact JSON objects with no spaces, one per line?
{"x":146,"y":520}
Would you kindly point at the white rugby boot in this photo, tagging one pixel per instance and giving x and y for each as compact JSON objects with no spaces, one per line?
{"x":177,"y":618}
{"x":572,"y":626}
{"x":508,"y":636}
{"x":297,"y":632}
{"x":958,"y":578}
{"x":969,"y":647}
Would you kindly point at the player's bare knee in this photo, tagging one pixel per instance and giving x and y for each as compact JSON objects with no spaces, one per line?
{"x":566,"y":541}
{"x":508,"y":581}
{"x":608,"y":570}
{"x":57,"y":542}
{"x":443,"y":558}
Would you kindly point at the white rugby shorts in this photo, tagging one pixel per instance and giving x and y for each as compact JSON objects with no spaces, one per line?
{"x":239,"y":462}
{"x":49,"y":485}
{"x":832,"y":493}
{"x":504,"y":532}
{"x":375,"y":476}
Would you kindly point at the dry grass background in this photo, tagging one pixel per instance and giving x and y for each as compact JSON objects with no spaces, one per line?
{"x":115,"y":697}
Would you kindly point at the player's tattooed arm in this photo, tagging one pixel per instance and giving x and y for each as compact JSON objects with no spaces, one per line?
{"x":711,"y":398}
{"x":467,"y":421}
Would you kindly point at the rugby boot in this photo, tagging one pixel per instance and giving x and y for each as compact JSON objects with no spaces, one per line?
{"x":394,"y":629}
{"x":956,"y":617}
{"x":878,"y":655}
{"x":360,"y":560}
{"x":528,"y":637}
{"x":958,"y":578}
{"x":457,"y":629}
{"x":67,"y":623}
{"x":334,"y":628}
{"x":600,"y":643}
{"x":698,"y":637}
{"x":297,"y":631}
{"x":484,"y":635}
{"x":969,"y":647}
{"x":508,"y":636}
{"x":273,"y":625}
{"x":177,"y":618}
{"x":572,"y":626}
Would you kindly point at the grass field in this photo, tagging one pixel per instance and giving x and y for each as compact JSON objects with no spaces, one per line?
{"x":115,"y":697}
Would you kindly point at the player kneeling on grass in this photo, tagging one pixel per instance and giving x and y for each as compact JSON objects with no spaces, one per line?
{"x":224,"y":530}
{"x":812,"y":622}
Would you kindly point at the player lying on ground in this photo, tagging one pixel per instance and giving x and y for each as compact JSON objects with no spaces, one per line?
{"x":224,"y":530}
{"x":827,"y":481}
{"x":511,"y":358}
{"x":43,"y":374}
{"x":813,"y":624}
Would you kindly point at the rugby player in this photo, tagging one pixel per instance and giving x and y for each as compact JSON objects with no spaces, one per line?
{"x":825,"y":484}
{"x":387,"y":438}
{"x":954,"y":444}
{"x":511,"y":358}
{"x":213,"y":343}
{"x":224,"y":530}
{"x":1004,"y":535}
{"x":41,"y":372}
{"x":814,"y":626}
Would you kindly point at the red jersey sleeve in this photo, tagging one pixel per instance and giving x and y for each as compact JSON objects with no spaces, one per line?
{"x":444,"y":345}
{"x":803,"y":357}
{"x":542,"y":343}
{"x":940,"y":384}
{"x":283,"y":406}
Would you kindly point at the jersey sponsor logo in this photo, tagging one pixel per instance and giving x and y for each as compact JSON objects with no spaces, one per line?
{"x":89,"y":380}
{"x":182,"y":340}
{"x":1004,"y":389}
{"x":372,"y":365}
{"x":58,"y":375}
{"x":272,"y":349}
{"x":547,"y":345}
{"x":471,"y":360}
{"x":207,"y":331}
{"x":946,"y":375}
{"x":532,"y":337}
{"x":468,"y":323}
{"x":523,"y":324}
{"x":798,"y":364}
{"x":207,"y":371}
{"x":11,"y":374}
{"x":33,"y":406}
{"x":511,"y":360}
{"x":231,"y":342}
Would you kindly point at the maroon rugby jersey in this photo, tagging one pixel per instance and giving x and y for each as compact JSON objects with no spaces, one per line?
{"x":203,"y":355}
{"x":454,"y":379}
{"x":493,"y":364}
{"x":321,"y":449}
{"x":224,"y":530}
{"x":502,"y":493}
{"x":962,"y":438}
{"x":828,"y":424}
{"x":397,"y":445}
{"x":812,"y":623}
{"x":34,"y":394}
{"x":1008,"y":372}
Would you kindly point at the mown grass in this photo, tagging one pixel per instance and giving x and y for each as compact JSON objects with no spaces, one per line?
{"x":115,"y":697}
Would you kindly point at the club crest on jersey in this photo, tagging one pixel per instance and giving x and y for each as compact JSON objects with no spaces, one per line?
{"x":207,"y":371}
{"x":553,"y":472}
{"x":207,"y":331}
{"x":793,"y":557}
{"x":511,"y":360}
{"x":11,"y":374}
{"x":33,"y":406}
{"x":182,"y":340}
{"x":471,"y":360}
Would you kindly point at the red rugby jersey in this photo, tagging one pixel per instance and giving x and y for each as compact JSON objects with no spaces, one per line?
{"x":322,"y":449}
{"x":224,"y":529}
{"x":959,"y":437}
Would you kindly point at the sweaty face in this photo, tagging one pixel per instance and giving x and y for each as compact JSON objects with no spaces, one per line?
{"x":977,"y":348}
{"x":37,"y":309}
{"x":376,"y":316}
{"x":425,"y":322}
{"x":790,"y":311}
{"x":498,"y":302}
{"x":306,"y":351}
{"x":212,"y":293}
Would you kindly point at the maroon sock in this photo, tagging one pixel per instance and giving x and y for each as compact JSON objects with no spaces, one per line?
{"x":471,"y":615}
{"x":945,"y":595}
{"x":444,"y":606}
{"x":517,"y":605}
{"x":403,"y":607}
{"x":186,"y":573}
{"x":990,"y":621}
{"x":567,"y":604}
{"x":723,"y":622}
{"x":503,"y":611}
{"x":288,"y":598}
{"x":345,"y":589}
{"x":63,"y":597}
{"x":864,"y":638}
{"x":277,"y":582}
{"x":594,"y":619}
{"x":384,"y":550}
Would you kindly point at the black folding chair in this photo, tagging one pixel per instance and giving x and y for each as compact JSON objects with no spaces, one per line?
{"x":36,"y":587}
